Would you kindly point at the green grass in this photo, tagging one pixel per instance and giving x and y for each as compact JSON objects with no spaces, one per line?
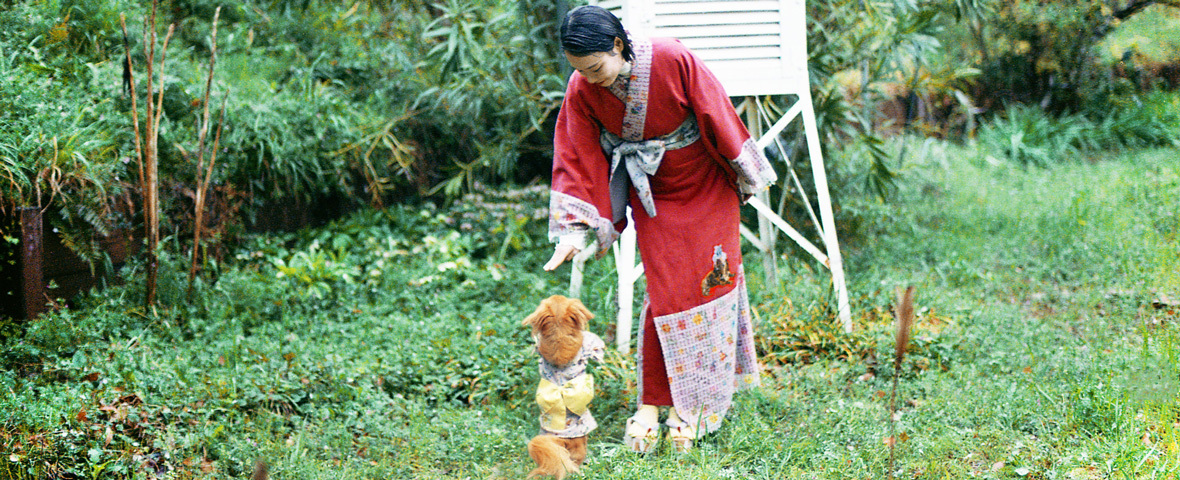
{"x":388,"y":345}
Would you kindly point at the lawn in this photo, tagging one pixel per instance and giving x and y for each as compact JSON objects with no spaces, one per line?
{"x":388,"y":345}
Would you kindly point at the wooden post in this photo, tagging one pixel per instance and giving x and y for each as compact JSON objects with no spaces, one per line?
{"x":627,"y":273}
{"x":766,"y":232}
{"x":31,"y":253}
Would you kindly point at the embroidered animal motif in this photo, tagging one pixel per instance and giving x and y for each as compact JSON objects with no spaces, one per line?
{"x":719,"y":275}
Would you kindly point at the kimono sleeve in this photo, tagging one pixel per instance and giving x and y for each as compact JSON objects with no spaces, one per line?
{"x":579,"y":198}
{"x":724,"y":134}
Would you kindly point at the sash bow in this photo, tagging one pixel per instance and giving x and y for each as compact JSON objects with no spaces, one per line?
{"x":554,"y":400}
{"x":641,"y":159}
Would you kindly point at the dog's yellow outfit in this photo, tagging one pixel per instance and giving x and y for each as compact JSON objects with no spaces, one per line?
{"x":565,"y":392}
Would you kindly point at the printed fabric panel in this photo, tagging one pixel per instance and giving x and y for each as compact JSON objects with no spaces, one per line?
{"x":754,"y":171}
{"x":593,"y":348}
{"x":571,"y":215}
{"x":709,"y":354}
{"x":636,"y":97}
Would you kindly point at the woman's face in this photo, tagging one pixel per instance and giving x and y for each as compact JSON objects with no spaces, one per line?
{"x":600,"y":68}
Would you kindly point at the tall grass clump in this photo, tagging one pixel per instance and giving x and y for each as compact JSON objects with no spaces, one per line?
{"x":1028,"y":136}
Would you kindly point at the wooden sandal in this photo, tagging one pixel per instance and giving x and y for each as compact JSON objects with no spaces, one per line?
{"x":641,"y":437}
{"x":680,"y":435}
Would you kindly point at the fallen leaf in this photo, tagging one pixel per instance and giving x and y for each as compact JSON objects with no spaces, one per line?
{"x":1083,"y":473}
{"x":132,"y":399}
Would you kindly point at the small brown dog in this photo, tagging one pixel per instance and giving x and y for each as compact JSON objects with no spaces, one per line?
{"x":559,"y":329}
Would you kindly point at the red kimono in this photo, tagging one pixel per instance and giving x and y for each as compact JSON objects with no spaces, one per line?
{"x":696,"y":345}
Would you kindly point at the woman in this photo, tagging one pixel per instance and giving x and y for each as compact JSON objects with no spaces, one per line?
{"x":645,"y":123}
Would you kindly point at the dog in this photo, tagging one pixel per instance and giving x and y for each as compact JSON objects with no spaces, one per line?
{"x":560,"y":332}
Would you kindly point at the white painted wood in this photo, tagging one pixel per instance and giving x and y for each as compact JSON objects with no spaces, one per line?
{"x":579,"y":269}
{"x":778,"y":221}
{"x":755,"y":47}
{"x":820,"y":175}
{"x":751,"y":237}
{"x":628,"y":273}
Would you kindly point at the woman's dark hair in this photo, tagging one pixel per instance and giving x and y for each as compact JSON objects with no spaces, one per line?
{"x":591,"y":29}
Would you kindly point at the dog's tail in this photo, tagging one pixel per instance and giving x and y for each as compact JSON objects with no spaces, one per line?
{"x":261,"y":471}
{"x":551,"y":457}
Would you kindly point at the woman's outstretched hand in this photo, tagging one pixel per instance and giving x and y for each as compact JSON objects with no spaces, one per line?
{"x":561,"y":253}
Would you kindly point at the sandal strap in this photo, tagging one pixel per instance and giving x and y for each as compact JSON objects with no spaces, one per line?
{"x":680,"y":426}
{"x":642,"y":424}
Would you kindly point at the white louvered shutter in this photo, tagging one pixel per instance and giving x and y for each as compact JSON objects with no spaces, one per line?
{"x":755,"y":47}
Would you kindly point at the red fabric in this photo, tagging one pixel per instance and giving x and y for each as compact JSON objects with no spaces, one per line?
{"x":696,"y":200}
{"x":656,"y":390}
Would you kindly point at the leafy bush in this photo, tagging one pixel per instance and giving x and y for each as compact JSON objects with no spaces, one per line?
{"x":59,"y":151}
{"x":1134,"y":122}
{"x":324,"y":101}
{"x":1029,"y":136}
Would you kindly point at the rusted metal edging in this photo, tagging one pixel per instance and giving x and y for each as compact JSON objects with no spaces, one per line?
{"x":31,"y":254}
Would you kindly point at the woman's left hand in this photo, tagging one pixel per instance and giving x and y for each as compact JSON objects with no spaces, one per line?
{"x":561,"y":253}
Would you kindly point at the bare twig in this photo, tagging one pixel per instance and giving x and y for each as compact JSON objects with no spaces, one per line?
{"x":202,"y":176}
{"x":134,"y":104}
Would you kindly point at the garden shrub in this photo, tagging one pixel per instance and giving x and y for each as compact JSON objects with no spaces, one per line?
{"x":1029,"y":136}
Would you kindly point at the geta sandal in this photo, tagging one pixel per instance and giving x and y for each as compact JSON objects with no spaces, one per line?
{"x":640,"y":436}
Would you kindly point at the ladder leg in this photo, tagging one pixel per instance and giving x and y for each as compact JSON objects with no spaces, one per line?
{"x":836,"y":261}
{"x":624,"y":250}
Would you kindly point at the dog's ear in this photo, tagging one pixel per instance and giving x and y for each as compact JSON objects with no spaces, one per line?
{"x":580,"y":313}
{"x":541,"y":310}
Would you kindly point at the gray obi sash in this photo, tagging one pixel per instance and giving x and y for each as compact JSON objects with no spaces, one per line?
{"x":641,"y":159}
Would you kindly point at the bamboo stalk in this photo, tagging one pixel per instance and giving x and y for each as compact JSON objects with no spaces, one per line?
{"x":150,"y":186}
{"x":147,"y":189}
{"x":134,"y":103}
{"x":202,"y":176}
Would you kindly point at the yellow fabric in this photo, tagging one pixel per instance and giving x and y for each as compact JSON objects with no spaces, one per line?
{"x":574,"y":395}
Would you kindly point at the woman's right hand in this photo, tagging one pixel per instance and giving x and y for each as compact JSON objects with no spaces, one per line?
{"x":561,"y":253}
